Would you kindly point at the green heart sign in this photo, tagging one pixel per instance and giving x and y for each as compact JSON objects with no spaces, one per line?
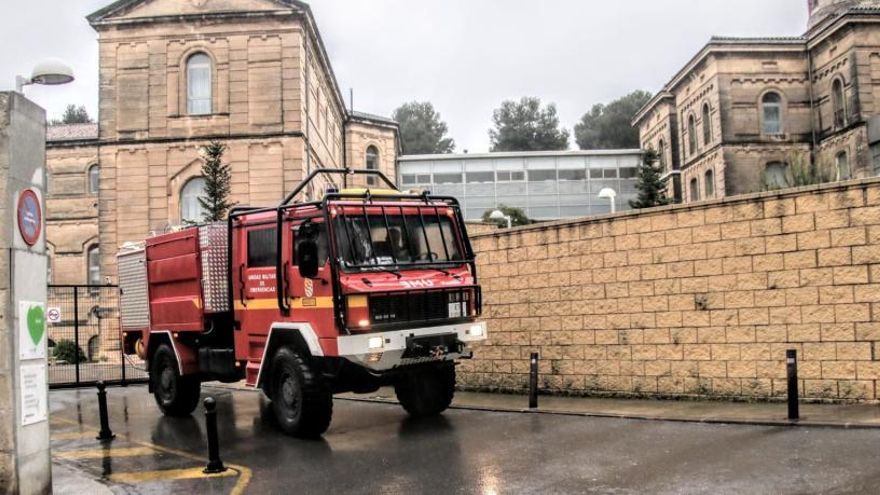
{"x":36,"y":322}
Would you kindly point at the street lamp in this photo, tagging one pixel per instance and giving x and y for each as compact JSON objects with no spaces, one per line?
{"x":499,"y":215}
{"x":50,"y":72}
{"x":611,"y":195}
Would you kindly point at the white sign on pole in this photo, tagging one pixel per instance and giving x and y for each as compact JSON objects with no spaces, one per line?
{"x":53,"y":315}
{"x":31,"y":330}
{"x":33,"y":394}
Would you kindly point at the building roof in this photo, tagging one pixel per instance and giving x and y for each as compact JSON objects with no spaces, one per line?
{"x":373,"y":118}
{"x":517,"y":154}
{"x":71,"y":132}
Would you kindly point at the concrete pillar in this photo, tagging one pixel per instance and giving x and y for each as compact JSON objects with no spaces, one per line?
{"x":25,"y":462}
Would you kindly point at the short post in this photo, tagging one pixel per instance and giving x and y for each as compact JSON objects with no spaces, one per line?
{"x":215,"y":465}
{"x":791,"y":365}
{"x":533,"y":382}
{"x":105,"y":434}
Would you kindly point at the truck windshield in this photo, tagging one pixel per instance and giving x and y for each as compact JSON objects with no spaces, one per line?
{"x":374,"y":241}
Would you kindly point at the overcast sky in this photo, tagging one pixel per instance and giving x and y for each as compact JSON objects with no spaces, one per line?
{"x":465,"y":56}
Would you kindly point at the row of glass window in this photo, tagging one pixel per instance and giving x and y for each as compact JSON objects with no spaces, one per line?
{"x":519,"y":176}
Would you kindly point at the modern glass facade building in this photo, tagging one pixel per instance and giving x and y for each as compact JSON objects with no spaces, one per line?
{"x":546,"y":185}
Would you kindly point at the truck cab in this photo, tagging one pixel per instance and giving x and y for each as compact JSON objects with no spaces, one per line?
{"x":362,"y":288}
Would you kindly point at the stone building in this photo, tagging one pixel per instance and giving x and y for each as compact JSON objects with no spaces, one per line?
{"x":175,"y":75}
{"x":748,"y":114}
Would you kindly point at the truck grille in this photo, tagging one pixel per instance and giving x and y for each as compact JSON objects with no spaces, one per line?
{"x":420,"y":307}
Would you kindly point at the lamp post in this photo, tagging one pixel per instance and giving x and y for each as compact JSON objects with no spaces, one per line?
{"x":499,"y":215}
{"x":50,"y":72}
{"x":611,"y":195}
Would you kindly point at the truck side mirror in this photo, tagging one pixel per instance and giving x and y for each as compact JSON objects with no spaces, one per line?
{"x":307,"y":259}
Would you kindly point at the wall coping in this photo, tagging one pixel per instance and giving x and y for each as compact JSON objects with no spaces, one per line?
{"x":702,"y":205}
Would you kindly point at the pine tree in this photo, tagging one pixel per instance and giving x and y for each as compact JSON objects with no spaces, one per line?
{"x":218,"y":178}
{"x":652,"y":189}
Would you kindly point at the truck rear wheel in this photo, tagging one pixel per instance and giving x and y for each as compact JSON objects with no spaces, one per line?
{"x":427,"y":392}
{"x":175,"y":395}
{"x":302,"y":403}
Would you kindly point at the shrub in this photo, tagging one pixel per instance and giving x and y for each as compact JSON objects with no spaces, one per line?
{"x":67,"y":351}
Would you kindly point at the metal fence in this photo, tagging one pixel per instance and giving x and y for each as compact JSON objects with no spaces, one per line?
{"x":84,"y":340}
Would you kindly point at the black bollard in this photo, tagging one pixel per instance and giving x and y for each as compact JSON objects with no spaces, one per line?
{"x":215,"y":465}
{"x":533,"y":382}
{"x":791,"y":365}
{"x":105,"y":434}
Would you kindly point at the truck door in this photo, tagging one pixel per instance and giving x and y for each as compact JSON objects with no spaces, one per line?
{"x":256,"y":304}
{"x":309,"y":294}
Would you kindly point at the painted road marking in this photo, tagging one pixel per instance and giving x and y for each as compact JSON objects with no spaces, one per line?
{"x":100,"y":453}
{"x":74,"y":435}
{"x":244,"y":474}
{"x":168,"y":475}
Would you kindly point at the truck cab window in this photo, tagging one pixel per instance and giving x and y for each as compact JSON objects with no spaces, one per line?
{"x":319,"y":235}
{"x":262,"y":248}
{"x":402,"y":241}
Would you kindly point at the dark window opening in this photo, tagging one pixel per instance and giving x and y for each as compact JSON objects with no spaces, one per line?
{"x":262,"y":248}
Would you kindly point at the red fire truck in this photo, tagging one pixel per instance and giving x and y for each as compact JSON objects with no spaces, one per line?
{"x":364,"y":288}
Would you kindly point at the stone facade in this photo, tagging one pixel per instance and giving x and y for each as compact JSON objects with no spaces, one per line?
{"x":716,"y":119}
{"x":269,"y":94}
{"x":690,"y":300}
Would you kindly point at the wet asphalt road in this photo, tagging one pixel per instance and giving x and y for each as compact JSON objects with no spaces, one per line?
{"x":375,"y":448}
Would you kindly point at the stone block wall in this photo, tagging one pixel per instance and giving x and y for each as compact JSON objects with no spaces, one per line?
{"x":695,"y":300}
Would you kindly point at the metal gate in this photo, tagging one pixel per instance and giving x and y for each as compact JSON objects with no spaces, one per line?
{"x":84,"y":345}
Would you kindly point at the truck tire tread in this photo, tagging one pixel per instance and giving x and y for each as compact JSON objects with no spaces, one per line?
{"x":316,"y":410}
{"x":427,"y":392}
{"x":185,"y":398}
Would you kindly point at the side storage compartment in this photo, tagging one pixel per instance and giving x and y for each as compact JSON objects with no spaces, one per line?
{"x":175,"y":282}
{"x":134,"y":300}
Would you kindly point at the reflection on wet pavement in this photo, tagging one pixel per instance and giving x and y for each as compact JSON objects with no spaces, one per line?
{"x":376,"y":448}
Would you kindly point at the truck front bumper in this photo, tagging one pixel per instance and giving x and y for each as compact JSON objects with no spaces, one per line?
{"x":389,"y":350}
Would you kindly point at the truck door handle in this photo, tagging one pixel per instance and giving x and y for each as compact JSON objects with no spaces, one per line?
{"x":241,"y":285}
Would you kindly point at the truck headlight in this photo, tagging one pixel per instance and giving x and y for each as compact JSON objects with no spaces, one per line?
{"x":375,"y":343}
{"x":475,"y":331}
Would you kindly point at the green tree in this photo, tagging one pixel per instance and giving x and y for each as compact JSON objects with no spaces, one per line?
{"x":421,"y":130}
{"x":67,"y":351}
{"x":517,"y":217}
{"x":527,"y":126}
{"x":610,"y":126}
{"x":73,"y":115}
{"x":218,"y":183}
{"x":652,"y":189}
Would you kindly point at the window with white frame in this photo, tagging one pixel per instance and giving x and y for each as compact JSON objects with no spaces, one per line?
{"x":94,"y":177}
{"x":771,"y":105}
{"x":372,"y":163}
{"x":191,"y":209}
{"x":199,"y":85}
{"x":843,"y":169}
{"x":93,"y":264}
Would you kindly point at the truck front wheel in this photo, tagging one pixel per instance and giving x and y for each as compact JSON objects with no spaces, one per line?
{"x":426,"y":392}
{"x":176,"y":395}
{"x":302,"y":403}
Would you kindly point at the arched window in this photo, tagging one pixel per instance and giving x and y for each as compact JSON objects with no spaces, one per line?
{"x":772,"y":110}
{"x":94,"y":347}
{"x":199,"y":85}
{"x":372,"y":164}
{"x":191,"y":209}
{"x":661,"y":150}
{"x":707,"y":125}
{"x":695,"y":189}
{"x":839,"y":103}
{"x":692,"y":135}
{"x":775,"y":175}
{"x":709,"y":186}
{"x":93,"y":259}
{"x":843,"y":171}
{"x":94,"y":179}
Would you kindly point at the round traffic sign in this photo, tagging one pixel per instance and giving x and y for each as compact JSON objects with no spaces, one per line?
{"x":30,"y":217}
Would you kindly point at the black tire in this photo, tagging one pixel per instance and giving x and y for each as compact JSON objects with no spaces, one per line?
{"x":426,"y":392}
{"x":301,"y":401}
{"x":175,"y":395}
